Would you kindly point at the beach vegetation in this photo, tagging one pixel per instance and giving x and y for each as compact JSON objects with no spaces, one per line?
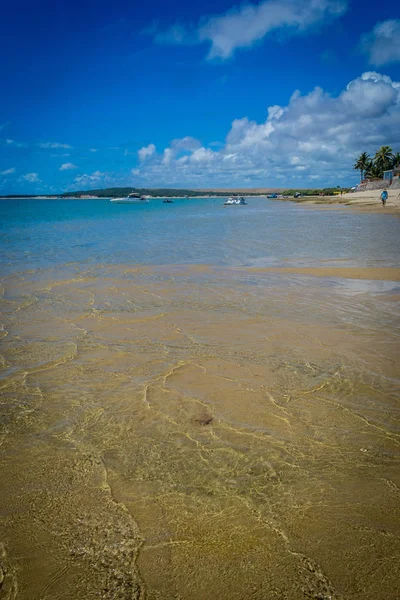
{"x":383,"y":159}
{"x":396,"y":160}
{"x":373,"y":168}
{"x":362,"y":164}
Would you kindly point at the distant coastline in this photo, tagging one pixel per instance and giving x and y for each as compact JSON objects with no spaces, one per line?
{"x":365,"y":201}
{"x":176,"y":193}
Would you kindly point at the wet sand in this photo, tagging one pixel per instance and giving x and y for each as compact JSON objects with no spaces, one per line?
{"x":191,"y":432}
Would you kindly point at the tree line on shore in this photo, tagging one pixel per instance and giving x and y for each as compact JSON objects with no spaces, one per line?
{"x":374,"y":167}
{"x":181,"y":193}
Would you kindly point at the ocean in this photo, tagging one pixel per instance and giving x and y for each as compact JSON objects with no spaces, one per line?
{"x":198,"y":401}
{"x":42,"y":233}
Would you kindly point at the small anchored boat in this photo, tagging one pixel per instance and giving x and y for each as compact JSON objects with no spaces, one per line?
{"x":235,"y":201}
{"x":133,"y":198}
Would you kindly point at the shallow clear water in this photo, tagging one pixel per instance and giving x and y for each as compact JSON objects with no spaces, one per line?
{"x":40,"y":233}
{"x":188,"y":411}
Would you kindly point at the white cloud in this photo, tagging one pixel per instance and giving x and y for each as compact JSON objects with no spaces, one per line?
{"x":53,"y":145}
{"x":31,"y":177}
{"x":68,"y":166}
{"x":382,"y":44}
{"x":315,"y":135}
{"x":8,"y":171}
{"x":88,"y":180}
{"x":92,"y":149}
{"x":187,"y":143}
{"x":242,"y":26}
{"x":374,"y":76}
{"x":10,"y":142}
{"x":146,"y":151}
{"x":180,"y":148}
{"x":369,"y":97}
{"x":168,"y":156}
{"x":203,"y":155}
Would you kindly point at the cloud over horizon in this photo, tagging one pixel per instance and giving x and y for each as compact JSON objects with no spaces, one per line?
{"x":53,"y":145}
{"x":314,"y":138}
{"x":87,"y":180}
{"x":31,"y":178}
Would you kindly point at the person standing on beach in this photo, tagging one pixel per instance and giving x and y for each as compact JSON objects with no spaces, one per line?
{"x":384,"y":197}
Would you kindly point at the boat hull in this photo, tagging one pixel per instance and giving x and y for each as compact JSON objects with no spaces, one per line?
{"x":235,"y":203}
{"x":129,"y":200}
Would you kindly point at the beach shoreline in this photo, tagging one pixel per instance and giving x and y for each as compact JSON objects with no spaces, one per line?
{"x":362,"y":202}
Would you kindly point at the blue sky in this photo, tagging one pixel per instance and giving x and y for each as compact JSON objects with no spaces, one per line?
{"x":222,"y":94}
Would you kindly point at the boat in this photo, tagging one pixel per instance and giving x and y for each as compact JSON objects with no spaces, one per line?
{"x":133,"y":198}
{"x":235,"y":201}
{"x":168,"y":201}
{"x":272,"y":196}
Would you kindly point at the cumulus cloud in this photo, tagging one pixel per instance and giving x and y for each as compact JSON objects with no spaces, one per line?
{"x":53,"y":145}
{"x":242,"y":26}
{"x":382,"y":44}
{"x":369,"y":97}
{"x":146,"y":151}
{"x":314,"y":138}
{"x":8,"y":171}
{"x":31,"y":177}
{"x":68,"y":166}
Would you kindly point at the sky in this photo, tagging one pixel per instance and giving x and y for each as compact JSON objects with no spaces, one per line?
{"x":223,"y":94}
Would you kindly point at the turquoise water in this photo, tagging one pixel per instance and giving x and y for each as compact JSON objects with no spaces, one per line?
{"x":45,"y":233}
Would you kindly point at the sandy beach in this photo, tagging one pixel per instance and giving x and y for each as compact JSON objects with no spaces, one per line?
{"x":368,"y":202}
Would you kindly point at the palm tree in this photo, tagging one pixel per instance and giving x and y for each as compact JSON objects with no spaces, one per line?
{"x":373,"y":171}
{"x":362,"y":164}
{"x":383,"y":158}
{"x":396,"y":160}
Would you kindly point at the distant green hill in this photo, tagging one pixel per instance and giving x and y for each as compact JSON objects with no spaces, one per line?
{"x":167,"y":192}
{"x":122,"y":192}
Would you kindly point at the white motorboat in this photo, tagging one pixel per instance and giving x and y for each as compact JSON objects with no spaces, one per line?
{"x":235,"y":201}
{"x":133,"y":198}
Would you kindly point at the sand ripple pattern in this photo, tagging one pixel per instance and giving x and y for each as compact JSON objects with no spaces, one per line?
{"x":198,"y":433}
